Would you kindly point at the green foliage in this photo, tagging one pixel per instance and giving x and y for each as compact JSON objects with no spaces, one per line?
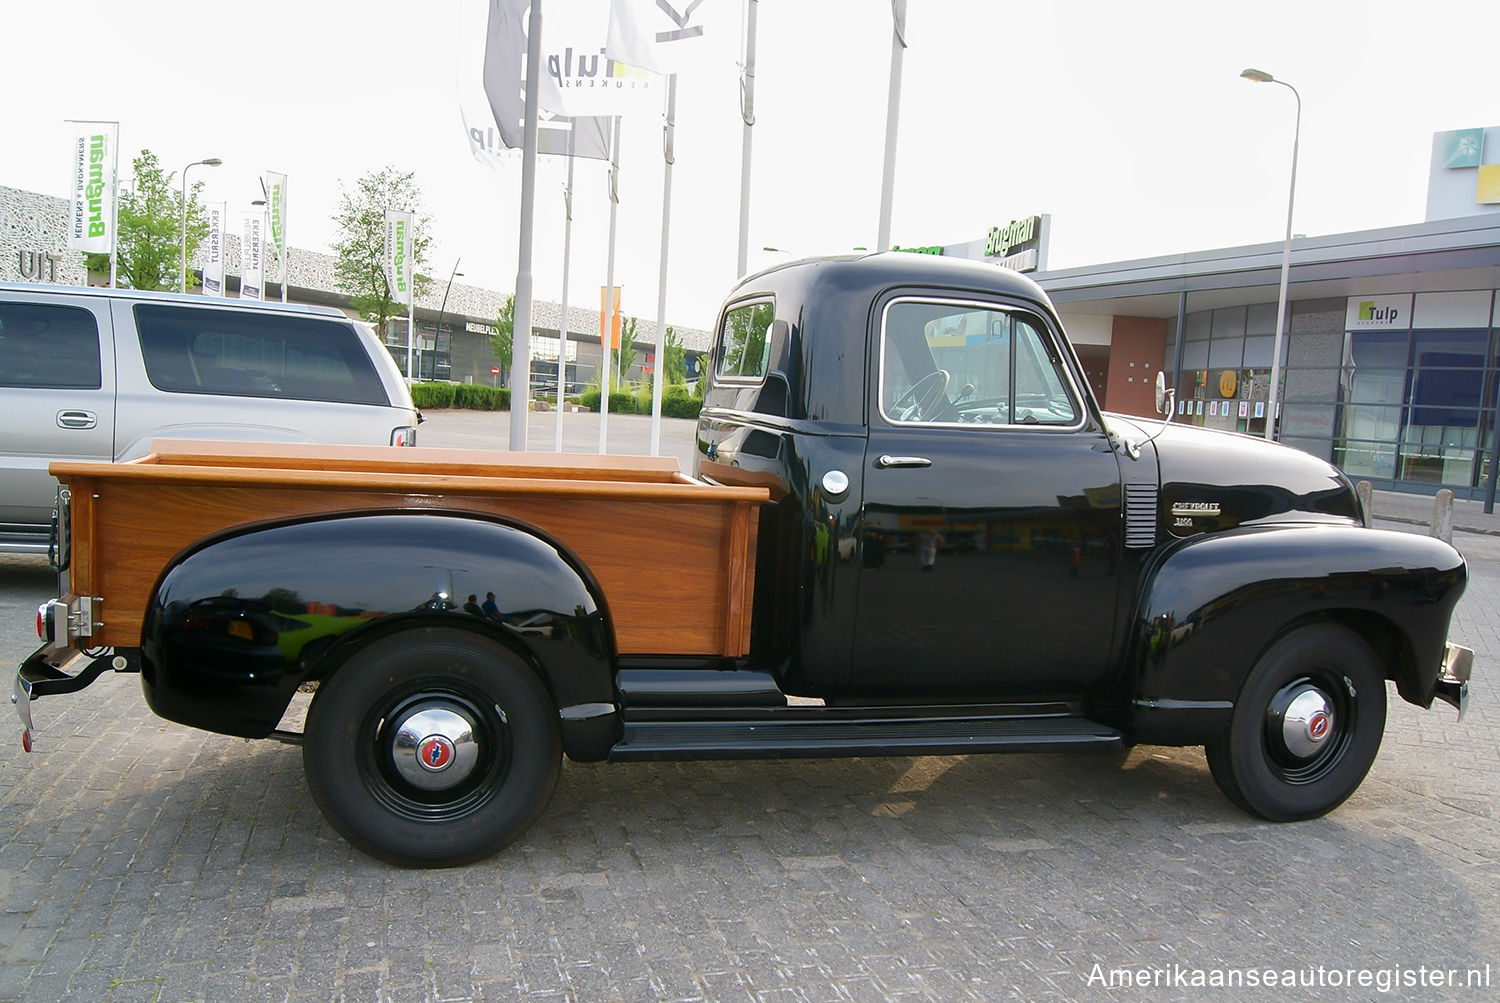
{"x":472,"y":396}
{"x":502,"y":342}
{"x":677,"y":401}
{"x":674,"y":359}
{"x":150,"y":221}
{"x":622,"y":358}
{"x":359,"y":248}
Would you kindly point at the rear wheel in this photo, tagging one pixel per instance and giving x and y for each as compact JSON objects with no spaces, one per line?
{"x":1306,"y":726}
{"x":432,"y":748}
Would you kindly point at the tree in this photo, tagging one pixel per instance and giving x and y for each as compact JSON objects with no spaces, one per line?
{"x":503,"y":341}
{"x":150,"y":228}
{"x":359,"y":249}
{"x":623,"y":358}
{"x":674,"y":360}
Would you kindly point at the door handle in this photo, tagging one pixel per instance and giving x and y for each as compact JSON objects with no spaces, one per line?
{"x":887,"y":461}
{"x":77,"y":419}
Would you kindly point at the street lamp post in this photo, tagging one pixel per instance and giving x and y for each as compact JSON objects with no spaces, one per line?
{"x":209,"y":162}
{"x":441,"y":310}
{"x":1262,"y":77}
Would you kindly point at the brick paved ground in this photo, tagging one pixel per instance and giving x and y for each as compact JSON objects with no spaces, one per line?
{"x":140,"y":860}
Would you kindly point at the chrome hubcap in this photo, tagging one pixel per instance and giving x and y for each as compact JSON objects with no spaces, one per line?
{"x":435,"y":746}
{"x":1307,"y":722}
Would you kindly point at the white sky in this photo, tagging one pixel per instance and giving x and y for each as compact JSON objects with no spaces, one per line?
{"x":1128,"y":122}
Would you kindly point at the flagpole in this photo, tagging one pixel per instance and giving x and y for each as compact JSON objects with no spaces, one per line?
{"x":562,"y":328}
{"x":747,"y":113}
{"x":606,"y":325}
{"x":661,"y":278}
{"x":114,"y":211}
{"x":892,"y":120}
{"x":520,"y":360}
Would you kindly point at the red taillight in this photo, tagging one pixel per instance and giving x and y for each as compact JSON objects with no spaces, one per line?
{"x":404,"y":436}
{"x":39,"y":624}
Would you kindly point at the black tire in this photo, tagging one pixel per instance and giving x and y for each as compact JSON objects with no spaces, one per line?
{"x":472,"y":707}
{"x":1306,"y":726}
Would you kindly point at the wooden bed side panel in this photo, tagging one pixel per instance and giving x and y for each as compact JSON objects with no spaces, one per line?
{"x":423,"y":459}
{"x":674,"y":575}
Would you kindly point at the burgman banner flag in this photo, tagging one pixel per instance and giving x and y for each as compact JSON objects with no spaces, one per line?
{"x":91,"y":205}
{"x":656,"y":35}
{"x":398,"y":263}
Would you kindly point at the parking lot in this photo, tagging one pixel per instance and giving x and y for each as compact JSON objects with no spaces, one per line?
{"x":140,"y":860}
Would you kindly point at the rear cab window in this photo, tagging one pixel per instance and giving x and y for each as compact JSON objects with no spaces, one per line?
{"x":244,"y":354}
{"x":743,"y":350}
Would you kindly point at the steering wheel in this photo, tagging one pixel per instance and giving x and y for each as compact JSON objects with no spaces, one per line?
{"x":918,"y":402}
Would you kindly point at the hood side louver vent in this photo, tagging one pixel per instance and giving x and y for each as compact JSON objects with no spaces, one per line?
{"x":1140,"y":515}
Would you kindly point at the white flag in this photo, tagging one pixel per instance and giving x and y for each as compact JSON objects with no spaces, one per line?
{"x":276,"y":203}
{"x":252,"y":267}
{"x":657,"y":35}
{"x":213,"y":250}
{"x":91,"y":208}
{"x":398,"y":264}
{"x":578,"y":78}
{"x":504,"y":82}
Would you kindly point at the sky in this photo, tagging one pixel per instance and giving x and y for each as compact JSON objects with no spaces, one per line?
{"x":1127,"y":122}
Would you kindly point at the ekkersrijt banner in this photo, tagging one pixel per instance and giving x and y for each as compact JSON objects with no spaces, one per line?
{"x":252,"y":264}
{"x":213,"y":250}
{"x":505,"y":88}
{"x":276,"y":203}
{"x":91,"y":210}
{"x":398,"y":263}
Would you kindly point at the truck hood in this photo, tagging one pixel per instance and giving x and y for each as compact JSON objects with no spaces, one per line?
{"x":1211,"y":480}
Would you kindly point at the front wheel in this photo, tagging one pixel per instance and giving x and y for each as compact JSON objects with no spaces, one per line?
{"x":432,"y":748}
{"x":1306,"y":727}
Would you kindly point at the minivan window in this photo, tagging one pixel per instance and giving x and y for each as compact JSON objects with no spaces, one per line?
{"x":744,"y":344}
{"x":243,"y":354}
{"x":51,"y":347}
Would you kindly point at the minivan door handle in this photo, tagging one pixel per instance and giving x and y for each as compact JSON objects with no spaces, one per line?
{"x":887,"y":461}
{"x":77,"y":419}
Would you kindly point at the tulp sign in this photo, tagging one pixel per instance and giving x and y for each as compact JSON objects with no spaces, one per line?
{"x":91,"y":207}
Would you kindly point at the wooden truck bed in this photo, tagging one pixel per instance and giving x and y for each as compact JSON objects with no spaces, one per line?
{"x":675,"y":558}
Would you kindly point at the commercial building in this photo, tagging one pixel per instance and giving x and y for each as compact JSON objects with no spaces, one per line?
{"x":1389,"y":363}
{"x":451,"y":333}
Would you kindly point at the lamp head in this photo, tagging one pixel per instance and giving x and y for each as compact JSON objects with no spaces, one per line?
{"x":211,"y":162}
{"x":1258,"y":76}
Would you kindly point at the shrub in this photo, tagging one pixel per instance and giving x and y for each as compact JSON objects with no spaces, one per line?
{"x":474,"y":396}
{"x":589,"y":399}
{"x":678,"y":402}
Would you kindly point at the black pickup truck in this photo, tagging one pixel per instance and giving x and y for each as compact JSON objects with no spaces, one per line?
{"x":957,"y":552}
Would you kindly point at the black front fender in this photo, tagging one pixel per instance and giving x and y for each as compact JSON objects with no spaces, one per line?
{"x":1215,"y":602}
{"x":239,"y":622}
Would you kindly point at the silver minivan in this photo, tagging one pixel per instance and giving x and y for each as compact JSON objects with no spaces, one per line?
{"x":96,"y":374}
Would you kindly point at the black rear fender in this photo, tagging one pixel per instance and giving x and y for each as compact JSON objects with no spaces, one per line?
{"x":239,"y":622}
{"x":1215,"y":602}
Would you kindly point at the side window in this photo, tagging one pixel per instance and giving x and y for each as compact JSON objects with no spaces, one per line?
{"x":744,"y":343}
{"x":243,"y":354}
{"x":47,"y":346}
{"x":970,"y":364}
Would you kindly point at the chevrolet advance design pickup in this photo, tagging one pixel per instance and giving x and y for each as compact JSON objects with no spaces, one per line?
{"x":910,"y":530}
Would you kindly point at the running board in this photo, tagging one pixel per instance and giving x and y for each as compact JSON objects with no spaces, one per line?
{"x":805,"y":736}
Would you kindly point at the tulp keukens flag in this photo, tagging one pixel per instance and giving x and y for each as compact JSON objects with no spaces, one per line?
{"x":656,"y":35}
{"x":91,"y":212}
{"x":505,"y":88}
